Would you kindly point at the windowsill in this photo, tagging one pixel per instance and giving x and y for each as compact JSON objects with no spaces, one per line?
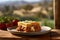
{"x":55,"y":34}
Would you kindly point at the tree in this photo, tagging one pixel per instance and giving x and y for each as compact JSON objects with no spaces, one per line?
{"x":51,"y":14}
{"x":27,"y":7}
{"x":7,"y":11}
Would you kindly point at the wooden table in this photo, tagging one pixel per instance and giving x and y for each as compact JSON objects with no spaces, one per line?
{"x":53,"y":35}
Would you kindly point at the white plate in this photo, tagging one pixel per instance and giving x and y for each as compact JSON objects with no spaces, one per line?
{"x":44,"y":30}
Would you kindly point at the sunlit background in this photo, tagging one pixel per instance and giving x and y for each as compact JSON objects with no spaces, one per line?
{"x":21,"y":0}
{"x":35,"y":10}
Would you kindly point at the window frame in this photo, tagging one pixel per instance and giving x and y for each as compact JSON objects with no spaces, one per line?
{"x":57,"y":14}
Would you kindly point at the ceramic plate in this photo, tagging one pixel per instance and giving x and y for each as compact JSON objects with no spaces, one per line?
{"x":44,"y":30}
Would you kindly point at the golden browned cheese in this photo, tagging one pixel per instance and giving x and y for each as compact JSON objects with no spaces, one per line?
{"x":19,"y":28}
{"x":37,"y":26}
{"x":29,"y":27}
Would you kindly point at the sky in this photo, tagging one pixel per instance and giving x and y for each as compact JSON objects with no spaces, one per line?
{"x":20,"y":0}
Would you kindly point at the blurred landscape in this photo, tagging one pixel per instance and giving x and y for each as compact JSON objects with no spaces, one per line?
{"x":35,"y":11}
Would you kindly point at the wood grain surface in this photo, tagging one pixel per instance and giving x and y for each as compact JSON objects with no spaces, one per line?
{"x":5,"y":35}
{"x":53,"y":35}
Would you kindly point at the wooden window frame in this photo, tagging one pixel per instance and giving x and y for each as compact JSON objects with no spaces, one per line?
{"x":57,"y":14}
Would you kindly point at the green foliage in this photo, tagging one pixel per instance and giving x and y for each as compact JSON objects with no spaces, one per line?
{"x":7,"y":8}
{"x":7,"y":11}
{"x":51,"y":14}
{"x":7,"y":19}
{"x":41,"y":15}
{"x":49,"y":23}
{"x":29,"y":18}
{"x":27,"y":7}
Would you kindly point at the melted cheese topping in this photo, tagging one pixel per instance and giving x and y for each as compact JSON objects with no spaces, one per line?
{"x":25,"y":23}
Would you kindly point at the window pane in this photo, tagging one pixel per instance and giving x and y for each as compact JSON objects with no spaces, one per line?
{"x":31,"y":10}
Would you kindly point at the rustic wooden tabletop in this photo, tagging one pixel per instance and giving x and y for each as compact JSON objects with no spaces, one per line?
{"x":53,"y":35}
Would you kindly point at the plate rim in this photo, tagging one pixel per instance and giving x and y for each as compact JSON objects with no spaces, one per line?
{"x":30,"y":33}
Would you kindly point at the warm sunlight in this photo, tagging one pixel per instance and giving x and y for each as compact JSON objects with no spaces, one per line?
{"x":28,"y":20}
{"x":20,"y":0}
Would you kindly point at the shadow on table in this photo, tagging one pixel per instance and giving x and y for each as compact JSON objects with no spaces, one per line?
{"x":54,"y":34}
{"x":33,"y":36}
